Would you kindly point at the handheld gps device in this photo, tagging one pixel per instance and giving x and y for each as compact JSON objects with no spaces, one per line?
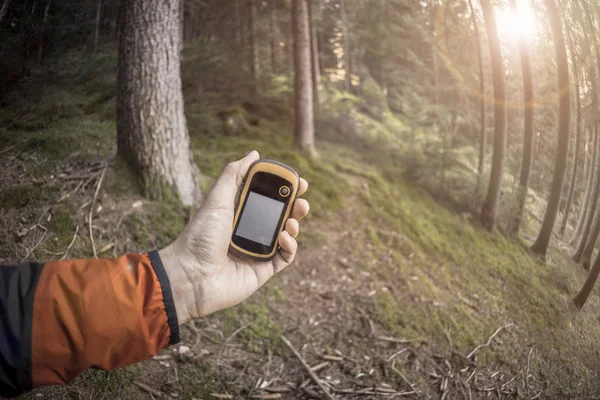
{"x":264,"y":203}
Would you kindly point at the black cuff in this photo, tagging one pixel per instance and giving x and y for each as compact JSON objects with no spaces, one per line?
{"x":163,"y":278}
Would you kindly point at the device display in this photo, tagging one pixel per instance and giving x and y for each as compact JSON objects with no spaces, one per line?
{"x":265,"y":200}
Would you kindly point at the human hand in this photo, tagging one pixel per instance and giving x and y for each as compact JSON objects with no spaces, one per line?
{"x":204,"y":276}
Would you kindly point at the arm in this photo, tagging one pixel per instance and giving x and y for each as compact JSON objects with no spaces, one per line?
{"x":61,"y":318}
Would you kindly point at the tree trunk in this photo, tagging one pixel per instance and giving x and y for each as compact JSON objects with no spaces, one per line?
{"x":587,"y":287}
{"x":275,"y":48}
{"x":540,"y":246}
{"x":584,"y":217}
{"x":181,"y":23}
{"x":4,"y":9}
{"x":567,"y":210}
{"x":238,"y":22}
{"x":255,"y":56}
{"x":490,"y":206}
{"x":304,"y":118}
{"x":314,"y":47}
{"x":482,"y":135}
{"x":527,"y":158}
{"x":97,"y":30}
{"x":40,"y":53}
{"x":346,"y":44}
{"x":152,"y":136}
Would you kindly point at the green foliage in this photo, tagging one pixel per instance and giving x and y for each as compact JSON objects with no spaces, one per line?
{"x":262,"y":332}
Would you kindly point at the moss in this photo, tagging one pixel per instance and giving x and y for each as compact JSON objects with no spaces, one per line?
{"x":61,"y":225}
{"x":23,"y":195}
{"x":262,"y":334}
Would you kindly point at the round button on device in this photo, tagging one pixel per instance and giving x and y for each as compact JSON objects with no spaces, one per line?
{"x":284,"y":191}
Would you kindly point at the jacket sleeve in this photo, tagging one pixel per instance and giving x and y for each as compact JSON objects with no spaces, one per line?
{"x":61,"y":318}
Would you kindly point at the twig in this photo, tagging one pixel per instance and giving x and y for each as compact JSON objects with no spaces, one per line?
{"x":537,"y":395}
{"x":527,"y":372}
{"x":151,"y":390}
{"x":489,"y":341}
{"x":404,"y":378}
{"x":266,"y":396}
{"x":38,"y":242}
{"x":92,"y":210}
{"x":70,"y":244}
{"x":390,"y":358}
{"x":399,"y":341}
{"x":238,"y":330}
{"x":314,"y":377}
{"x":319,"y":367}
{"x":221,"y":396}
{"x":327,"y":357}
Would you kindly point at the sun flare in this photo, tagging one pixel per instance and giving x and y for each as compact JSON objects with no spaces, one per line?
{"x":517,"y":26}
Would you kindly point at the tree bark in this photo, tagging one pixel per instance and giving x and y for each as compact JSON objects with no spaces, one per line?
{"x":238,"y":22}
{"x":346,"y":44}
{"x":314,"y":46}
{"x":275,"y":48}
{"x":587,"y":287}
{"x":304,"y":118}
{"x":40,"y":53}
{"x":540,"y":246}
{"x":181,"y":23}
{"x":490,"y":207}
{"x":255,"y":56}
{"x":4,"y":9}
{"x":527,"y":158}
{"x":571,"y":192}
{"x":97,"y":30}
{"x":152,"y":135}
{"x":591,"y":192}
{"x":482,"y":135}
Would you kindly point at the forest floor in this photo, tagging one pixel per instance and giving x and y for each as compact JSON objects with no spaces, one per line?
{"x":393,"y":294}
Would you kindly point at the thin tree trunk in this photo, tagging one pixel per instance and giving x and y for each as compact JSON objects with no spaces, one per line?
{"x":590,"y":242}
{"x":181,"y":23}
{"x":594,"y":166}
{"x":490,"y":207}
{"x":97,"y":30}
{"x":304,"y":118}
{"x":527,"y":158}
{"x":40,"y":53}
{"x":152,"y":135}
{"x":587,"y":287}
{"x":482,"y":135}
{"x":346,"y":44}
{"x":275,"y":48}
{"x":4,"y":9}
{"x":255,"y":59}
{"x":540,"y":246}
{"x":316,"y":65}
{"x":578,"y":132}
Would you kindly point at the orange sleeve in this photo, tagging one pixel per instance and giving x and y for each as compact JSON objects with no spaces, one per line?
{"x":104,"y":313}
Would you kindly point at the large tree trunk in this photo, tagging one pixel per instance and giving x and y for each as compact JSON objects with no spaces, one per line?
{"x":490,"y":206}
{"x":575,"y":163}
{"x":527,"y":159}
{"x":275,"y":48}
{"x":314,"y":46}
{"x":97,"y":30}
{"x":346,"y":44}
{"x":152,"y":135}
{"x":583,"y":225}
{"x":482,"y":135}
{"x":304,"y":118}
{"x":255,"y":56}
{"x":40,"y":53}
{"x":4,"y":9}
{"x":540,"y":246}
{"x":587,"y":287}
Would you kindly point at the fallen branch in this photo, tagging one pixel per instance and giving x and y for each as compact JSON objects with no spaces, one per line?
{"x":92,"y":210}
{"x":489,"y":341}
{"x":313,"y":376}
{"x":70,"y":244}
{"x":151,"y":390}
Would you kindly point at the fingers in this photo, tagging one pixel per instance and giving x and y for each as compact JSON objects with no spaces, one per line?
{"x":287,"y":251}
{"x":301,"y":208}
{"x":303,"y":186}
{"x":292,"y":227}
{"x":224,"y":192}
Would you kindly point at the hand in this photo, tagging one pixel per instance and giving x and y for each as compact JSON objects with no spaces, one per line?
{"x":204,"y":276}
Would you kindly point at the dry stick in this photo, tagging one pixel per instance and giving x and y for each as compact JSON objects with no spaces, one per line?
{"x":404,"y":378}
{"x":30,"y":252}
{"x":151,"y":390}
{"x":238,"y":330}
{"x":399,"y":341}
{"x":314,"y":377}
{"x":70,"y":244}
{"x":92,"y":211}
{"x":527,"y":373}
{"x":489,"y":341}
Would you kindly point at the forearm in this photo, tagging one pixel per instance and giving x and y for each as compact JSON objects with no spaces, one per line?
{"x":65,"y":317}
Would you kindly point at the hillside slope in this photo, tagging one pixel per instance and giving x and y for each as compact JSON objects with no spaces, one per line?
{"x":391,"y":288}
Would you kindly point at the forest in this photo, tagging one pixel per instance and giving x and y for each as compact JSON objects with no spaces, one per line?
{"x":452,"y":151}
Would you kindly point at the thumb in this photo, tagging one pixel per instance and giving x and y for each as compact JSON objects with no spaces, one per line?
{"x":224,"y":192}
